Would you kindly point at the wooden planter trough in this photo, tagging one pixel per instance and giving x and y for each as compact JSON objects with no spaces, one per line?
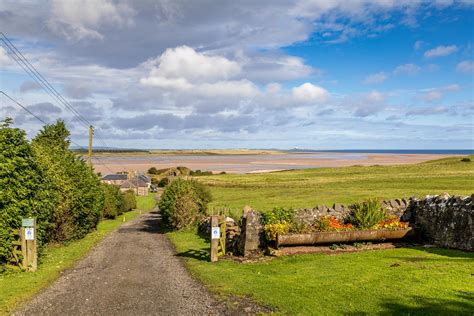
{"x":342,"y":236}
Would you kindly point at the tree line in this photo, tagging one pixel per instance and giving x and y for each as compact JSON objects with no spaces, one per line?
{"x":44,"y":178}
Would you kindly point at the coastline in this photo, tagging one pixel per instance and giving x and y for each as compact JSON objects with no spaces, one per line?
{"x":259,"y":163}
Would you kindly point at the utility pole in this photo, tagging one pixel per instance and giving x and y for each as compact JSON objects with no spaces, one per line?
{"x":136,"y":174}
{"x":91,"y":132}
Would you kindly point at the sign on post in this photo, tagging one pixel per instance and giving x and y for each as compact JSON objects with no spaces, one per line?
{"x":29,"y":233}
{"x":28,"y":244}
{"x":28,"y":222}
{"x":216,"y":232}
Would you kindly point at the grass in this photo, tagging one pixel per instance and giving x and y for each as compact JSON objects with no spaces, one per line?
{"x":146,"y":203}
{"x":18,"y":287}
{"x":392,"y":281}
{"x":310,"y":187}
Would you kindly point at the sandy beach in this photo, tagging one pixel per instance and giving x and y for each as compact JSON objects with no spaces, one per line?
{"x":256,"y":163}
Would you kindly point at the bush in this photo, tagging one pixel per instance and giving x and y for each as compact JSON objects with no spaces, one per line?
{"x":465,"y":159}
{"x":130,"y":201}
{"x":113,"y":201}
{"x":184,"y":203}
{"x":278,"y":221}
{"x":164,"y":182}
{"x":153,"y":170}
{"x":79,"y":195}
{"x":25,"y":189}
{"x":367,"y":214}
{"x":278,"y":215}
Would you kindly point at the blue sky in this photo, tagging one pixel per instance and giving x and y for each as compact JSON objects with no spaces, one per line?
{"x":311,"y":73}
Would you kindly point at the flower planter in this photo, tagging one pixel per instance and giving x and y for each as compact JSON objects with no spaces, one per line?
{"x":342,"y":236}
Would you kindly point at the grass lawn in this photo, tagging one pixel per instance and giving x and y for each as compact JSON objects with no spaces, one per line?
{"x":392,"y":281}
{"x":18,"y":287}
{"x":310,"y":187}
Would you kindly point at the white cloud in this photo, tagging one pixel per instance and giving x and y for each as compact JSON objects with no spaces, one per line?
{"x":185,"y":62}
{"x":407,"y":69}
{"x":376,"y":78}
{"x":465,"y":66}
{"x":375,"y":97}
{"x":273,"y":87}
{"x":79,"y":19}
{"x":4,"y":59}
{"x":418,"y":45}
{"x":308,"y":92}
{"x":436,"y":94}
{"x":441,"y":51}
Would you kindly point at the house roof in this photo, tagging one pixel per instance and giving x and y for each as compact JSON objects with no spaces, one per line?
{"x":112,"y":177}
{"x":144,"y":178}
{"x":129,"y":184}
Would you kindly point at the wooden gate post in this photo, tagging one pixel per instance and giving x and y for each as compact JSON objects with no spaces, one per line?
{"x":28,"y":244}
{"x":215,"y":236}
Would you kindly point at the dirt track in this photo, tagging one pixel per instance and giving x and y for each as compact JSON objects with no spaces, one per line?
{"x":134,"y":271}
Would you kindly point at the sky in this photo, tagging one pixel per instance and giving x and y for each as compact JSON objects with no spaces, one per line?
{"x":316,"y":74}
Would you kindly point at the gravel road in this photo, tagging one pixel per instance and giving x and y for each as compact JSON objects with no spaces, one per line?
{"x":133,"y":271}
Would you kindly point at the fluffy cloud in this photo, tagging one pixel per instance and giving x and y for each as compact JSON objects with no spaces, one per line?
{"x":185,"y":62}
{"x":308,"y":92}
{"x":465,"y":66}
{"x":80,"y":19}
{"x":376,"y":78}
{"x":407,"y":69}
{"x":441,"y":51}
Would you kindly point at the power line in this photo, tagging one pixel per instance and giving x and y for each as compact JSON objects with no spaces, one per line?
{"x":40,"y":79}
{"x":42,"y":121}
{"x":24,"y":108}
{"x":44,"y":83}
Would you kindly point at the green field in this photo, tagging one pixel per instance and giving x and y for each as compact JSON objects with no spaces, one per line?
{"x":310,"y":187}
{"x":17,"y":287}
{"x":392,"y":281}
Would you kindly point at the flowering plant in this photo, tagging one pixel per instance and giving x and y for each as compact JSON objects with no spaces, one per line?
{"x":390,"y":223}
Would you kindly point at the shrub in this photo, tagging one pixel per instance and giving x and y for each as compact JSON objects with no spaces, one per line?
{"x":79,"y":195}
{"x":272,"y":230}
{"x":184,"y":203}
{"x":164,"y":182}
{"x":25,"y":189}
{"x":153,"y":170}
{"x":366,"y":214}
{"x":111,"y":201}
{"x":465,"y":159}
{"x":129,"y":201}
{"x":278,"y":215}
{"x":277,"y":221}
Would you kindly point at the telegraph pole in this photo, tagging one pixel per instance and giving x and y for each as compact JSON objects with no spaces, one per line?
{"x":91,"y":132}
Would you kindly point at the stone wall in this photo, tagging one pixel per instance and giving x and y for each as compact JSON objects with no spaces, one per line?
{"x":440,"y":220}
{"x":445,"y":221}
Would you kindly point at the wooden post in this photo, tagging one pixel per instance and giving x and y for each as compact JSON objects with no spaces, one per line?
{"x":91,"y":132}
{"x":29,"y":249}
{"x":214,"y":240}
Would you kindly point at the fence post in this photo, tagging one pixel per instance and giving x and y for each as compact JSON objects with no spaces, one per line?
{"x":28,"y":234}
{"x":215,"y":236}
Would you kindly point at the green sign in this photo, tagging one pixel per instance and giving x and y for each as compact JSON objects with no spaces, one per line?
{"x":28,"y":222}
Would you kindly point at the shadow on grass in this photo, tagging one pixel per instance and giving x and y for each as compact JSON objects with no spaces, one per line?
{"x":430,"y":306}
{"x":201,"y":255}
{"x":452,"y":253}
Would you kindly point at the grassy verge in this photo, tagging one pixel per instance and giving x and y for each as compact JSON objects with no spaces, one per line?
{"x":146,"y":203}
{"x":310,"y":187}
{"x":18,"y":287}
{"x":392,"y":281}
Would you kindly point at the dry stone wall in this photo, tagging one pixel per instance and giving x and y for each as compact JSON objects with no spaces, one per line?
{"x":441,"y":220}
{"x":445,"y":221}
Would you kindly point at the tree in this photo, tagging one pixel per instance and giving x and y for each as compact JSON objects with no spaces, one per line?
{"x":25,"y":190}
{"x":80,"y":196}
